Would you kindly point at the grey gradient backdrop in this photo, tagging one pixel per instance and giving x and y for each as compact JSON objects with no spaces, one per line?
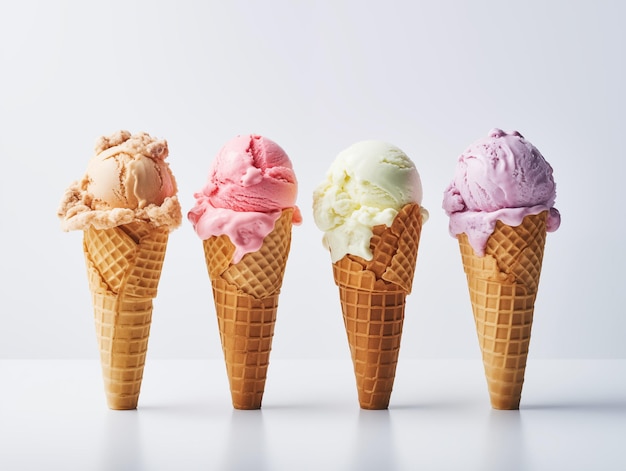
{"x":315,"y":76}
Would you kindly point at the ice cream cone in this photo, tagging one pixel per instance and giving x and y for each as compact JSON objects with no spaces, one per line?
{"x":373,"y":297}
{"x":503,"y":286}
{"x":124,"y":267}
{"x":246,"y":301}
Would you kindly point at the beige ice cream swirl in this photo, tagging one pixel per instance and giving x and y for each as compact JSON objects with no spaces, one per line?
{"x":130,"y":172}
{"x":126,"y":180}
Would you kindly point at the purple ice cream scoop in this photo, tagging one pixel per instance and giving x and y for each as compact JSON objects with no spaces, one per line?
{"x":500,"y":177}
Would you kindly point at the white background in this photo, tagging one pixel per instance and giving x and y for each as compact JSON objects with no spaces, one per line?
{"x":430,"y":77}
{"x":315,"y":76}
{"x":573,"y":417}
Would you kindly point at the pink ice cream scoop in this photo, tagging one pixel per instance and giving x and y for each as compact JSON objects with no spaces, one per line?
{"x":501,"y":177}
{"x":251,"y":180}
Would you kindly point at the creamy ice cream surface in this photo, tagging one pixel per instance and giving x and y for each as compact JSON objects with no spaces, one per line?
{"x":365,"y":186}
{"x":251,"y":181}
{"x":500,"y":177}
{"x":126,"y":180}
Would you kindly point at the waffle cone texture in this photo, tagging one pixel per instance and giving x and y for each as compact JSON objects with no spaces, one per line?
{"x":373,"y":298}
{"x":503,"y":287}
{"x":124,"y":267}
{"x":246,"y":302}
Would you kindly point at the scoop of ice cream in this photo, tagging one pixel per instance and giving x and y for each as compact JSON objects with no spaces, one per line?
{"x":251,"y":180}
{"x":366,"y":185}
{"x":130,"y":172}
{"x":127,"y":179}
{"x":500,"y":177}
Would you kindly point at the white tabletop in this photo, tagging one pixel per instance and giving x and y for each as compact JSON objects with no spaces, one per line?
{"x":53,"y":416}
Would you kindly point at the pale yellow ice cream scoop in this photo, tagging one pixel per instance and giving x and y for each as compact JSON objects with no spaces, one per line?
{"x":366,"y":185}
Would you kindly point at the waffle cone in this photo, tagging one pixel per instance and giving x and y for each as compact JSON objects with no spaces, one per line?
{"x":123,"y":267}
{"x":503,"y":288}
{"x":246,"y":301}
{"x":373,"y":297}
